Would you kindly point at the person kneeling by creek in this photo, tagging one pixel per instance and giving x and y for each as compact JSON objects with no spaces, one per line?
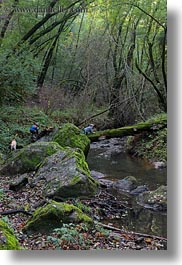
{"x":89,"y":129}
{"x":34,"y":130}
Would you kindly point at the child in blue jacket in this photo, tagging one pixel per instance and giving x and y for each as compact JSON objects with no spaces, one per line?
{"x":89,"y":129}
{"x":34,"y":129}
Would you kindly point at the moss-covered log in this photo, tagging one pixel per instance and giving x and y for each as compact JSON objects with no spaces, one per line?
{"x":130,"y":130}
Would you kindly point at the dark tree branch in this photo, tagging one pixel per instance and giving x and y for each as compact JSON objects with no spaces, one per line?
{"x":15,"y":211}
{"x":141,"y":9}
{"x":102,"y":112}
{"x":7,"y":21}
{"x":160,"y":96}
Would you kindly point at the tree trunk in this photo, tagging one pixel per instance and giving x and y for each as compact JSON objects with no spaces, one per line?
{"x":7,"y":21}
{"x":129,"y":130}
{"x":42,"y":75}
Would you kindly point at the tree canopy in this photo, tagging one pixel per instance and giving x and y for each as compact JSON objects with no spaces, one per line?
{"x":108,"y":53}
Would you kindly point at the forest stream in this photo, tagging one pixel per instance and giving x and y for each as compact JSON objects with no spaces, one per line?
{"x":110,"y":158}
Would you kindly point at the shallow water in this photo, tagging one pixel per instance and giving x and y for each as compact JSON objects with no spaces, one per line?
{"x":118,"y":166}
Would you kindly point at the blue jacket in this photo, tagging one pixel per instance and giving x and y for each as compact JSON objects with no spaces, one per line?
{"x":88,"y":129}
{"x":34,"y":129}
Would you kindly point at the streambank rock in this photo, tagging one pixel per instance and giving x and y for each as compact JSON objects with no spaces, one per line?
{"x":8,"y":240}
{"x":138,"y":190}
{"x":19,"y":182}
{"x":155,"y":200}
{"x":66,"y":174}
{"x":100,"y":177}
{"x":69,"y":135}
{"x":110,"y":147}
{"x":127,"y":184}
{"x":96,"y":174}
{"x":54,"y":215}
{"x":29,"y":158}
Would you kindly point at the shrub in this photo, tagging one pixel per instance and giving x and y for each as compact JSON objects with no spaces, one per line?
{"x":17,"y":77}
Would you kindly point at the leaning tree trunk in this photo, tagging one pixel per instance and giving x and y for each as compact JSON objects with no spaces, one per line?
{"x":7,"y":21}
{"x":48,"y":58}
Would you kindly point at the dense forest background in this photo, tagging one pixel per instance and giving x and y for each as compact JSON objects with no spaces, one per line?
{"x":81,"y":58}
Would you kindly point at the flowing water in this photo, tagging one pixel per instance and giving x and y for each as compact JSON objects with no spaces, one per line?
{"x":116,"y":165}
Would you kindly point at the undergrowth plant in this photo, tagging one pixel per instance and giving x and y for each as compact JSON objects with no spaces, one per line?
{"x":77,"y":236}
{"x":15,"y":123}
{"x":150,"y":145}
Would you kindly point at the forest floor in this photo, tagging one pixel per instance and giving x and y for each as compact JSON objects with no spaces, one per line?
{"x":73,"y":237}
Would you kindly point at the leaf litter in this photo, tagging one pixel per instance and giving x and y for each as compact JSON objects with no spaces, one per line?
{"x":73,"y":237}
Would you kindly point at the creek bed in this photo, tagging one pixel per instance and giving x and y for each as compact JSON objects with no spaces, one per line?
{"x":109,"y":157}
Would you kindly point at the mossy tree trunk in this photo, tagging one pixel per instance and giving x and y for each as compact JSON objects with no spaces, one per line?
{"x":130,"y":130}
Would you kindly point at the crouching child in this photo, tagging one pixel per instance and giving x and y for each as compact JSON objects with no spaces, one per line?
{"x":89,"y":129}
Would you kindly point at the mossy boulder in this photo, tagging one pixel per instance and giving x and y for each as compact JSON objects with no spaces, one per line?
{"x":155,"y":200}
{"x":70,"y":135}
{"x":54,"y":215}
{"x":28,"y":158}
{"x":8,"y":241}
{"x":66,"y":174}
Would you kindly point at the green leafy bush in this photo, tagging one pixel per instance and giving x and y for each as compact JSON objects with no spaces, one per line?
{"x":17,"y":76}
{"x":150,"y":145}
{"x":15,"y":123}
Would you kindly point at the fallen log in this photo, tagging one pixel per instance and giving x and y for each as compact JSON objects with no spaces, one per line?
{"x":129,"y":130}
{"x":130,"y":232}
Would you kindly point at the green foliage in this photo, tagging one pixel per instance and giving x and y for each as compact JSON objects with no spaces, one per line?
{"x":89,"y":58}
{"x":69,"y":234}
{"x":15,"y":123}
{"x":102,"y":230}
{"x":1,"y":194}
{"x":17,"y":76}
{"x":76,"y":236}
{"x":84,"y":208}
{"x":6,"y":219}
{"x":153,"y":145}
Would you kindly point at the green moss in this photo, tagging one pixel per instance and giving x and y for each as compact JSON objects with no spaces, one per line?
{"x":83,"y":167}
{"x":75,"y":180}
{"x":131,"y":179}
{"x":69,"y":135}
{"x":29,"y":158}
{"x":130,"y":130}
{"x":80,"y":159}
{"x":86,"y":209}
{"x":53,"y":215}
{"x":8,"y":240}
